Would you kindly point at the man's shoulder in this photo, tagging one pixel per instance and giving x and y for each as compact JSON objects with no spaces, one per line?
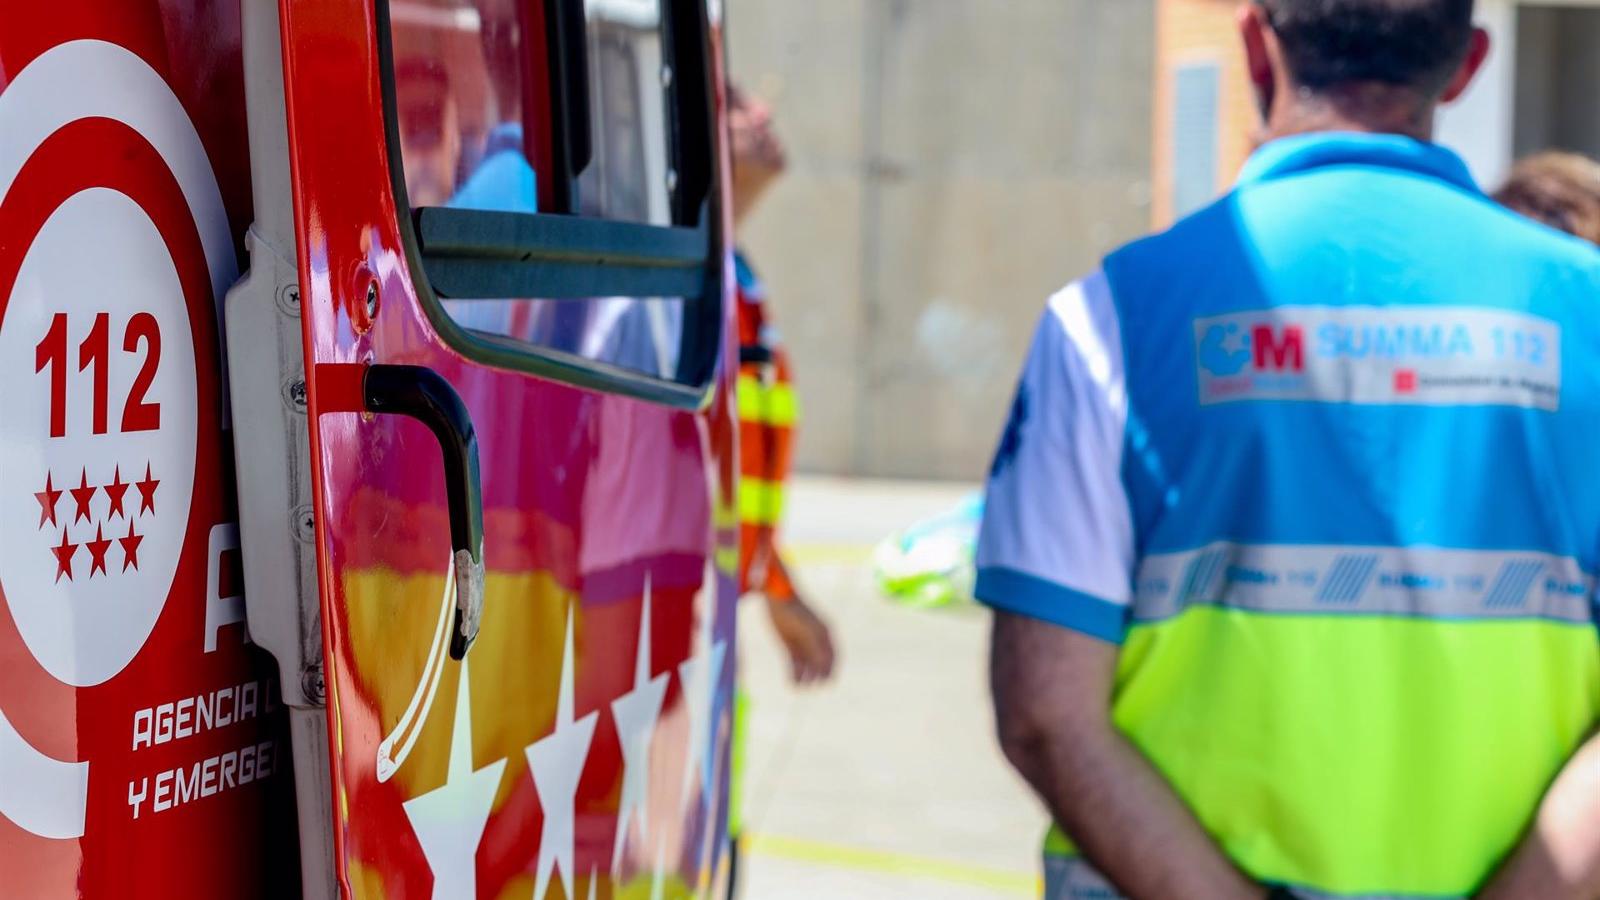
{"x":1197,"y":242}
{"x":1547,"y":245}
{"x":1553,"y":267}
{"x":1080,"y":333}
{"x":1241,"y":236}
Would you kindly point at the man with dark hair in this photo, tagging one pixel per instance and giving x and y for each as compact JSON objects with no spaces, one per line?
{"x":1291,"y":536}
{"x":1336,"y":44}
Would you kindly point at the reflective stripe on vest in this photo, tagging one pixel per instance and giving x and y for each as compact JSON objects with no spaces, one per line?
{"x":1421,"y":582}
{"x":760,"y":502}
{"x":767,"y":404}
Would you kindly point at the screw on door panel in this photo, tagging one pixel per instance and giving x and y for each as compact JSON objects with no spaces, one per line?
{"x":314,"y":685}
{"x":294,"y":394}
{"x":289,"y":299}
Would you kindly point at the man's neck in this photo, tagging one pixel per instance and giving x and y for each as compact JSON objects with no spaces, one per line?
{"x":1369,"y":108}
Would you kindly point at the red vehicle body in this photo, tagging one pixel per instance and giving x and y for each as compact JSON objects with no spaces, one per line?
{"x":308,"y":587}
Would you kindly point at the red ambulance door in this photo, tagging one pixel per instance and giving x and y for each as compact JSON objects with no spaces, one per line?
{"x":512,"y":256}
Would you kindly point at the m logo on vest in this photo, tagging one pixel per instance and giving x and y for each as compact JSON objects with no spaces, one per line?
{"x":1279,"y":349}
{"x":1380,"y":355}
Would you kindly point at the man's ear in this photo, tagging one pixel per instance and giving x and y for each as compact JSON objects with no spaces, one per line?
{"x":1256,"y":34}
{"x":1477,"y":52}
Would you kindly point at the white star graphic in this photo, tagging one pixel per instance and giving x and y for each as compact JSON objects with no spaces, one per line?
{"x":636,"y":714}
{"x":449,"y":820}
{"x":701,"y":676}
{"x":658,"y":882}
{"x":556,"y":762}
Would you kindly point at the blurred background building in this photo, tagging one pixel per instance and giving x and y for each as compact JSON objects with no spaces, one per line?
{"x":1536,"y":93}
{"x":953,"y":162}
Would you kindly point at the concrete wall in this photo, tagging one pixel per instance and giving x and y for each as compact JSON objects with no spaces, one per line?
{"x":954,"y":162}
{"x":1557,"y":69}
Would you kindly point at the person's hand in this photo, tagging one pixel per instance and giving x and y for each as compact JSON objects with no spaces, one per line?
{"x":805,"y":636}
{"x":1559,"y":858}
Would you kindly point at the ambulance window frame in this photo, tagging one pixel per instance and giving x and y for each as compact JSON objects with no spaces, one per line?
{"x":576,"y":257}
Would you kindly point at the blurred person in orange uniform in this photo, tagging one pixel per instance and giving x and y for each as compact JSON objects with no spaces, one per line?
{"x":768,"y":411}
{"x":1561,"y":190}
{"x":768,"y":414}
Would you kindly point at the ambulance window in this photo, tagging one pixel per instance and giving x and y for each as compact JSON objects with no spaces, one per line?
{"x":556,"y":158}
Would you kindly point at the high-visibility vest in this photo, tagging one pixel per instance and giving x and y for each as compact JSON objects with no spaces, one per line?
{"x":768,"y":413}
{"x":1323,"y":460}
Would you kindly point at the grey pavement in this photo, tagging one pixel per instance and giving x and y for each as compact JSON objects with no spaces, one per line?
{"x":886,"y":783}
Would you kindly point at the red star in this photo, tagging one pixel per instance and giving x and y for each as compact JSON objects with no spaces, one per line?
{"x":63,"y":554}
{"x":47,"y":502}
{"x":130,"y":548}
{"x":147,"y":491}
{"x":115,"y":490}
{"x":82,"y":494}
{"x":97,"y":552}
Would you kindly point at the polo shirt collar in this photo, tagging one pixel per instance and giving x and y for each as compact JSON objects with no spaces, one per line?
{"x":1306,"y":152}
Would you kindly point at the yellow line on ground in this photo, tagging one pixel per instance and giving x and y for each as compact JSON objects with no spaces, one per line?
{"x":884,"y":862}
{"x":828,"y":554}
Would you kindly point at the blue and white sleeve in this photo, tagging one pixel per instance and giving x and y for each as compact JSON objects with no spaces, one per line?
{"x":1057,"y":538}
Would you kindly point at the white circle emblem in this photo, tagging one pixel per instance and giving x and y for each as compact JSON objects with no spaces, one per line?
{"x":93,"y":523}
{"x":97,"y":375}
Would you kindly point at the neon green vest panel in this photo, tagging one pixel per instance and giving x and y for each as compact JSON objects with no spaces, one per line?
{"x":1361,"y":756}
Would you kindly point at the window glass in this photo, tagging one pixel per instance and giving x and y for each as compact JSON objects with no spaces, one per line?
{"x":629,"y":176}
{"x":471,"y":102}
{"x":460,"y":75}
{"x":639,"y":334}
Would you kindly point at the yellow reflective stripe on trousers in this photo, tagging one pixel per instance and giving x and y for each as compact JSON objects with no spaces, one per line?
{"x":760,"y":502}
{"x":1360,"y":755}
{"x":767,"y":404}
{"x":724,"y":516}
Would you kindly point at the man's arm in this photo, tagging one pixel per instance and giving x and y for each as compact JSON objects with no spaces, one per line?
{"x":1560,"y":857}
{"x":803,"y":633}
{"x":1052,"y":695}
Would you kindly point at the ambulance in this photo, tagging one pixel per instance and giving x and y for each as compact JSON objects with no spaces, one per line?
{"x":366,"y":459}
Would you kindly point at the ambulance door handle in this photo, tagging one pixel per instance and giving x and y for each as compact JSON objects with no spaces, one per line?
{"x":420,"y":393}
